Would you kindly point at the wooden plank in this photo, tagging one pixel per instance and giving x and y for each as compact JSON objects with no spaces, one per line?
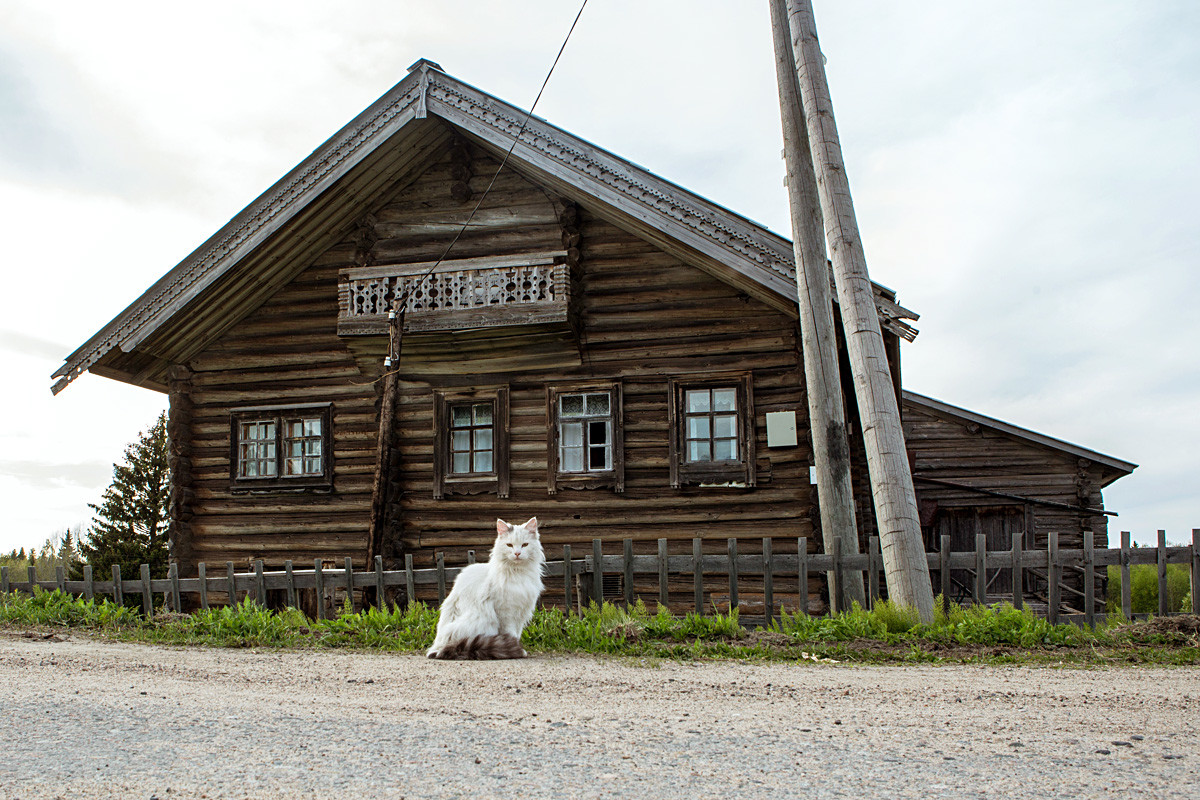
{"x":768,"y":564}
{"x":260,"y":585}
{"x":802,"y":572}
{"x":1089,"y":579}
{"x":697,"y":575}
{"x":980,"y":566}
{"x":598,"y":571}
{"x":1162,"y":574}
{"x":118,"y":589}
{"x":663,"y":594}
{"x":944,"y":567}
{"x":89,"y":588}
{"x":147,"y":597}
{"x":380,"y":599}
{"x":1126,"y":589}
{"x":293,"y":600}
{"x":231,"y":583}
{"x":1054,"y":586}
{"x":873,"y":576}
{"x":4,"y":580}
{"x":733,"y":575}
{"x":567,"y":582}
{"x":173,"y":576}
{"x":627,"y":568}
{"x":200,"y":572}
{"x":441,"y":576}
{"x":350,"y":582}
{"x":1018,"y":577}
{"x":319,"y":587}
{"x":1196,"y":571}
{"x":60,"y":578}
{"x":409,"y":583}
{"x":31,"y":575}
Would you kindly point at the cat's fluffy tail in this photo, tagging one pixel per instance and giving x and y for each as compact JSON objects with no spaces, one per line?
{"x":483,"y":647}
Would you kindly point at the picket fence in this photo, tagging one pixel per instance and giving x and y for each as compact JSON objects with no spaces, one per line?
{"x":583,"y":578}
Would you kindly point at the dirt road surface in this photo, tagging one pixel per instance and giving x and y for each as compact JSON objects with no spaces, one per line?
{"x":92,"y":719}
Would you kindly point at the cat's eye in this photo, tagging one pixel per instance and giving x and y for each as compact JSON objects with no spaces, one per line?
{"x":509,"y":544}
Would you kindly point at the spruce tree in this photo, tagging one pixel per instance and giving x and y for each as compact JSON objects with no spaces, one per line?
{"x":130,"y":527}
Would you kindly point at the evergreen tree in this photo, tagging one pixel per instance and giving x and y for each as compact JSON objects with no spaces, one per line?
{"x":130,"y":527}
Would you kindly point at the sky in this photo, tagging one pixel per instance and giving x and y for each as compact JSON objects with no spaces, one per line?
{"x":1026,"y":176}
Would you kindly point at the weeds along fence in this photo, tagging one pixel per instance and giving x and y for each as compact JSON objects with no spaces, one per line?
{"x":584,"y":578}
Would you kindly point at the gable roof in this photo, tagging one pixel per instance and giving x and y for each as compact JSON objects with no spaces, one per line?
{"x":318,"y":202}
{"x":1114,"y":467}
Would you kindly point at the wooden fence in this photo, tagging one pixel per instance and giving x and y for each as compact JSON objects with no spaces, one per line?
{"x":584,"y":577}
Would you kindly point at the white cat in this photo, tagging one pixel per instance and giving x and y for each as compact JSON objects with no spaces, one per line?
{"x":490,"y":604}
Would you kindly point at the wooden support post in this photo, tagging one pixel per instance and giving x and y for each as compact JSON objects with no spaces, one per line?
{"x":380,"y":599}
{"x":874,"y":558}
{"x":627,"y":565}
{"x":60,"y":578}
{"x":289,"y":578}
{"x":118,"y":589}
{"x":598,"y":572}
{"x":381,"y":489}
{"x":350,"y":582}
{"x":1054,"y":590}
{"x":734,"y":605}
{"x":1126,"y":589}
{"x":768,"y":563}
{"x":410,"y":583}
{"x":176,"y":600}
{"x":89,"y":587}
{"x":4,"y":580}
{"x":319,"y":587}
{"x":837,"y":601}
{"x":980,"y":568}
{"x":662,"y":574}
{"x":698,"y":575}
{"x":1196,"y":571}
{"x":944,"y":568}
{"x":1089,"y":578}
{"x":147,"y":598}
{"x":441,"y":576}
{"x":802,"y":572}
{"x":1163,"y":610}
{"x":31,"y":575}
{"x":231,"y":579}
{"x":200,"y":572}
{"x":879,"y":409}
{"x":567,"y":582}
{"x":1018,"y":574}
{"x":260,"y":583}
{"x":818,"y":337}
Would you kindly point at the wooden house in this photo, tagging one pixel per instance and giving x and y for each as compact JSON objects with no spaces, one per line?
{"x":581,"y":340}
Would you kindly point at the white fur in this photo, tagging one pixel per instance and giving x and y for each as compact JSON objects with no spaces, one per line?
{"x":496,"y":597}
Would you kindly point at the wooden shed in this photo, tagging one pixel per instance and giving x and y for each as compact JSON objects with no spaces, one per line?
{"x":600,"y":348}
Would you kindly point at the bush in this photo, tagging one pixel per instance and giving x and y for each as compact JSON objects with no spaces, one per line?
{"x":1143,"y":588}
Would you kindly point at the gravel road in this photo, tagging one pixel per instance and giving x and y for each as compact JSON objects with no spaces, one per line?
{"x":91,"y":719}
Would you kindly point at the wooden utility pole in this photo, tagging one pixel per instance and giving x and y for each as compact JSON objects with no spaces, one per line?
{"x":383,"y":479}
{"x":887,"y":460}
{"x":827,"y":421}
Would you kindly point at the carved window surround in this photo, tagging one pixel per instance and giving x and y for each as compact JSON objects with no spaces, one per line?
{"x":524,"y":289}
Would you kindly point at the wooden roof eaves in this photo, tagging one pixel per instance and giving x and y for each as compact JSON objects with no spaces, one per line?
{"x":251,"y":227}
{"x":1115,"y":464}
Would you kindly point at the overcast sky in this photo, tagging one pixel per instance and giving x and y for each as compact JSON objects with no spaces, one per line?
{"x":1026,"y":176}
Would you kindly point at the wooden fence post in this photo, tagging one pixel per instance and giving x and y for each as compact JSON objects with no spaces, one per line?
{"x":231,"y":579}
{"x":1126,"y":589}
{"x":1089,"y":578}
{"x":1196,"y":571}
{"x":874,"y":557}
{"x":627,"y":565}
{"x":410,"y":583}
{"x":147,"y":598}
{"x":260,"y":583}
{"x":289,"y":578}
{"x":441,"y":576}
{"x":60,"y":578}
{"x":980,"y":568}
{"x":4,"y":580}
{"x":319,"y":587}
{"x":733,"y":576}
{"x":89,"y":588}
{"x":944,"y":570}
{"x":662,"y":574}
{"x":1053,"y":590}
{"x":768,"y":581}
{"x":380,"y":600}
{"x":598,"y":572}
{"x":118,"y":589}
{"x":176,"y":600}
{"x":200,"y":571}
{"x":31,"y":574}
{"x":802,"y":572}
{"x":350,"y":582}
{"x":1162,"y":574}
{"x":567,"y":578}
{"x":698,"y":574}
{"x":1018,"y":574}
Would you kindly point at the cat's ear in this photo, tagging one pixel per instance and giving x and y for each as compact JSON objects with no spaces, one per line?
{"x":531,"y":527}
{"x":502,"y":527}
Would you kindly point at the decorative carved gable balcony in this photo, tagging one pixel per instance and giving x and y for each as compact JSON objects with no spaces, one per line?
{"x":462,"y":294}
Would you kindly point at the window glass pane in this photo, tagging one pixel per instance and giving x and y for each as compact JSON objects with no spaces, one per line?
{"x":483,"y":414}
{"x":460,"y":440}
{"x":598,"y":432}
{"x":249,"y":469}
{"x":697,"y":428}
{"x":572,"y":459}
{"x":267,"y":467}
{"x":724,"y":399}
{"x":312,"y":447}
{"x":312,"y":427}
{"x":597,"y":404}
{"x":312,"y":466}
{"x":598,"y":457}
{"x":698,"y":451}
{"x":460,"y":416}
{"x":483,"y":461}
{"x":483,"y":438}
{"x":294,"y":429}
{"x":725,"y":426}
{"x":295,"y":466}
{"x":725,"y":450}
{"x":572,"y":434}
{"x":461,"y":463}
{"x":697,"y":400}
{"x":571,"y":405}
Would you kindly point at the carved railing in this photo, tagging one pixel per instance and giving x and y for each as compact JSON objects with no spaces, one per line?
{"x":464,"y":293}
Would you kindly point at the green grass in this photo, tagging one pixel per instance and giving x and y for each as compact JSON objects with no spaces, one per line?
{"x":887,"y":634}
{"x":1143,"y":588}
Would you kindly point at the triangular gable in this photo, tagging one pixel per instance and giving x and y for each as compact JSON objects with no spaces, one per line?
{"x":728,"y":246}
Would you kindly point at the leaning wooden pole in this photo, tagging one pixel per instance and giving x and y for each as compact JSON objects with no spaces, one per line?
{"x":887,"y":460}
{"x":382,"y":478}
{"x":823,"y":384}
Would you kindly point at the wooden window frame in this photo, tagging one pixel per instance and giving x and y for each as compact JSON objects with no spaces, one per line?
{"x":613,"y":478}
{"x":280,"y":481}
{"x":497,"y":481}
{"x":735,"y":474}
